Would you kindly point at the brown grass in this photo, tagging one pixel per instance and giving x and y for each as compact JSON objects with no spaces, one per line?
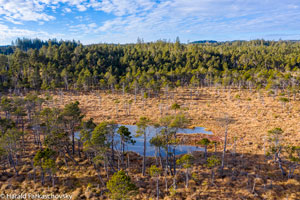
{"x":252,"y":117}
{"x":252,"y":120}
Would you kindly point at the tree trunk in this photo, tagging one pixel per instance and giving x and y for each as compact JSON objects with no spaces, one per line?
{"x":224,"y":149}
{"x":65,"y":159}
{"x":167,"y":158}
{"x":34,"y":175}
{"x":79,"y":148}
{"x":98,"y":174}
{"x":157,"y":188}
{"x":12,"y":163}
{"x":174,"y":160}
{"x":291,"y":171}
{"x":212,"y":176}
{"x":174,"y":166}
{"x":187,"y":178}
{"x":280,"y":167}
{"x":73,"y":142}
{"x":106,"y":169}
{"x":123,"y":151}
{"x":205,"y":153}
{"x":128,"y":161}
{"x":71,"y":157}
{"x":42,"y":176}
{"x":135,"y":91}
{"x":215,"y":148}
{"x":160,"y":158}
{"x":123,"y":87}
{"x":112,"y":149}
{"x":166,"y":180}
{"x":156,"y":156}
{"x":144,"y":155}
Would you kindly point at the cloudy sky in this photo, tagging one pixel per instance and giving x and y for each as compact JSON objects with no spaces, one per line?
{"x":123,"y":21}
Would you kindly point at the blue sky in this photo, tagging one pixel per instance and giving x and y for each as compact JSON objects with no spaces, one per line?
{"x":123,"y":21}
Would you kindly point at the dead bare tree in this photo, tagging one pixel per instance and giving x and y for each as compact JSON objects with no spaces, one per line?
{"x":224,"y":122}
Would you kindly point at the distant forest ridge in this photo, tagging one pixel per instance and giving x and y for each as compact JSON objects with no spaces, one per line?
{"x":204,"y":41}
{"x":25,"y":43}
{"x":149,"y":67}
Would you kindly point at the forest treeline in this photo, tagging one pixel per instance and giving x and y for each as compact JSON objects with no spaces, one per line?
{"x":151,"y":66}
{"x":26,"y":44}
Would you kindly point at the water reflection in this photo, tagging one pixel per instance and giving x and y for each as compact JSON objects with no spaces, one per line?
{"x":151,"y":131}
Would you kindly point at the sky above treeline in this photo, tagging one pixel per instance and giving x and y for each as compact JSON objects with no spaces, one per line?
{"x":123,"y":21}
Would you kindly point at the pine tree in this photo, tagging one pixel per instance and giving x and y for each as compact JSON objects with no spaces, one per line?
{"x":125,"y":136}
{"x":186,"y":162}
{"x":155,"y":172}
{"x":120,"y":186}
{"x":72,"y":118}
{"x":142,"y":131}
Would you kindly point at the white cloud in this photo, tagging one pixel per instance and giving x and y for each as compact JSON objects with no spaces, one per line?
{"x":152,"y":19}
{"x":22,"y":10}
{"x":122,"y":7}
{"x":195,"y":18}
{"x":81,"y":7}
{"x":10,"y":33}
{"x":16,"y":11}
{"x":67,"y":10}
{"x":92,"y":25}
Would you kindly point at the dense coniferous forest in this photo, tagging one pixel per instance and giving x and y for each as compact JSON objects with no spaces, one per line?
{"x":257,"y":64}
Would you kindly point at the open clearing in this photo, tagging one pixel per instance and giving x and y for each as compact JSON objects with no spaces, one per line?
{"x":253,"y":113}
